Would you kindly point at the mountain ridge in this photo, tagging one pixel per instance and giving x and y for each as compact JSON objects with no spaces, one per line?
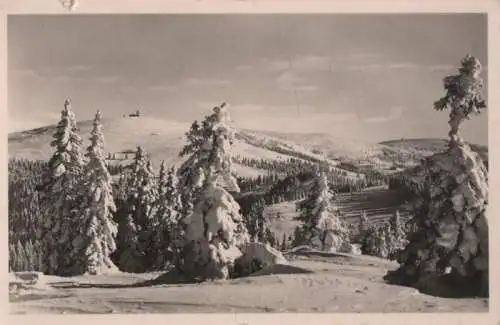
{"x":163,"y":140}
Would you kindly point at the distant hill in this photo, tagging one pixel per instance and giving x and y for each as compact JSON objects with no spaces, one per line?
{"x":163,"y":140}
{"x":390,"y":155}
{"x":431,"y":146}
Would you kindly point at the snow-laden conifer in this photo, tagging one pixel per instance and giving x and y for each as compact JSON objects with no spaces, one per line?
{"x":60,"y":191}
{"x":396,"y":240}
{"x":359,"y":230}
{"x":168,"y":208}
{"x":264,"y":233}
{"x":452,"y":226}
{"x":321,"y":226}
{"x":141,"y":202}
{"x":129,"y":258}
{"x":97,"y":230}
{"x":214,"y":229}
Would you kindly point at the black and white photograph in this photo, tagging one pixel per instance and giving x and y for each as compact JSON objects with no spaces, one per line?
{"x":167,"y":163}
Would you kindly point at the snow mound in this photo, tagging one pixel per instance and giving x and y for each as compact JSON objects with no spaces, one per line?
{"x":354,"y":249}
{"x":27,"y":283}
{"x":262,"y":252}
{"x":256,"y":256}
{"x":26,"y":277}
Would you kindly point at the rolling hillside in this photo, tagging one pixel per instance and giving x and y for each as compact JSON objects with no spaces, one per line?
{"x":386,"y":156}
{"x":162,"y":140}
{"x":429,"y":146}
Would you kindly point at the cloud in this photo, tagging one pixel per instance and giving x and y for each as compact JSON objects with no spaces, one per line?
{"x":375,"y":67}
{"x":77,"y":68}
{"x":290,"y":81}
{"x":404,"y":65}
{"x":243,"y":68}
{"x":52,"y":71}
{"x":249,"y":108}
{"x":63,"y":74}
{"x":302,"y":120}
{"x":395,"y":113}
{"x":107,"y":79}
{"x":303,"y":63}
{"x":207,"y":82}
{"x":364,"y":56}
{"x":364,"y":67}
{"x":288,"y":78}
{"x":442,"y":67}
{"x":162,"y":87}
{"x":25,"y":73}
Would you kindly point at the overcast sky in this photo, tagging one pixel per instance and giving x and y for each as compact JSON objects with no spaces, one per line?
{"x":358,"y":76}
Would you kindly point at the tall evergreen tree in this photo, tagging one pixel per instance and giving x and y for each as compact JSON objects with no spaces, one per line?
{"x":264,"y":233}
{"x":129,"y":254}
{"x":255,"y":221}
{"x":191,"y":172}
{"x":321,"y":226}
{"x":22,"y":259}
{"x":167,"y":215}
{"x":396,"y":240}
{"x":12,"y":257}
{"x":452,"y":226}
{"x":214,"y":228}
{"x":97,"y":230}
{"x":139,"y":224}
{"x":60,"y":191}
{"x":284,"y":244}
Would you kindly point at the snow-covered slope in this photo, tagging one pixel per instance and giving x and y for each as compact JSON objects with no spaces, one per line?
{"x":383,"y":155}
{"x":162,"y":139}
{"x":327,"y":283}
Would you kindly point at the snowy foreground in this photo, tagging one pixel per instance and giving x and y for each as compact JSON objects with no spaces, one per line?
{"x":313,"y":282}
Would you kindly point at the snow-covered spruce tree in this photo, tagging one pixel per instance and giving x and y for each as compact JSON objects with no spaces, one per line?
{"x":382,"y":245}
{"x":452,"y":231}
{"x":375,"y":243}
{"x":60,"y":192}
{"x":95,"y":235}
{"x":256,"y":222}
{"x":129,"y":254}
{"x":321,"y":226}
{"x":396,"y":240}
{"x":13,"y":257}
{"x":358,"y":231}
{"x":369,"y":241}
{"x":264,"y":232}
{"x":214,"y":231}
{"x":284,"y":243}
{"x":22,"y":259}
{"x":191,"y":172}
{"x":135,"y":242}
{"x":168,"y":208}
